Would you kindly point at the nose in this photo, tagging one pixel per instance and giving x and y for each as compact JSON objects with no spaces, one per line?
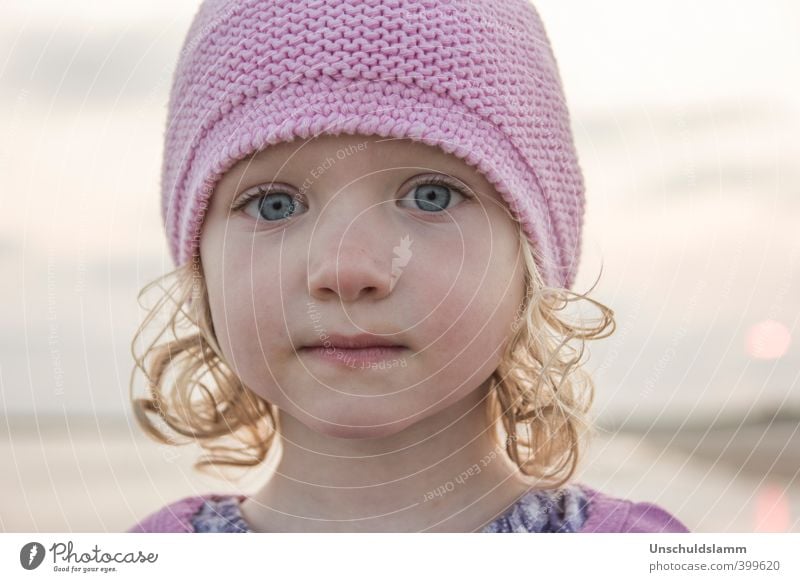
{"x":351,"y":258}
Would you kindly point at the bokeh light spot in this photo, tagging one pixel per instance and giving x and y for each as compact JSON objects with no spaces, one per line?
{"x":768,"y":340}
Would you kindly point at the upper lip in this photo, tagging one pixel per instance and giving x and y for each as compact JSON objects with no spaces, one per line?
{"x":364,"y":340}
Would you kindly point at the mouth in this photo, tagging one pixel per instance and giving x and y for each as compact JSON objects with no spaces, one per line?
{"x":354,"y":351}
{"x":356,"y":342}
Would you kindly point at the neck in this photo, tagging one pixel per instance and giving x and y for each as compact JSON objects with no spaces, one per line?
{"x":445,"y":473}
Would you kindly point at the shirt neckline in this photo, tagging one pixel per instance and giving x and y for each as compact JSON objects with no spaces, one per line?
{"x":562,"y":510}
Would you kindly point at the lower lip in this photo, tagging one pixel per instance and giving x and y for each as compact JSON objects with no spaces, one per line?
{"x":351,"y":357}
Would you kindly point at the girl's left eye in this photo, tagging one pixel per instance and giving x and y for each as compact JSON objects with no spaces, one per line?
{"x":433,"y":194}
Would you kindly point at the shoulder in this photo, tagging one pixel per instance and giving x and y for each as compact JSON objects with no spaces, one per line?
{"x":176,"y":517}
{"x":609,"y":514}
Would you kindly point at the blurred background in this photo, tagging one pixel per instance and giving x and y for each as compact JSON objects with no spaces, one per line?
{"x":686,"y":116}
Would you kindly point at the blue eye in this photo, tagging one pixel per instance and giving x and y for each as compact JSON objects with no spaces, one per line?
{"x":271,"y":206}
{"x":434,"y":194}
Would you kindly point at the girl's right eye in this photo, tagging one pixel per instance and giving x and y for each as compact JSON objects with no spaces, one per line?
{"x":269,"y":206}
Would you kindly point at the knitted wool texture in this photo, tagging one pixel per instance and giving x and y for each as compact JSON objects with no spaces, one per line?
{"x":476,"y":78}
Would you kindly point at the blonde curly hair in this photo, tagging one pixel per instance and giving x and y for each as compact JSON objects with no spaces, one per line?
{"x":540,"y":392}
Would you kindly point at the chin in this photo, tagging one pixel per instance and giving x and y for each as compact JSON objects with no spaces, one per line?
{"x":356,"y":424}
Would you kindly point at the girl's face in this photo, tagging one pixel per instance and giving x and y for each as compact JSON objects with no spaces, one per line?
{"x":348,"y":235}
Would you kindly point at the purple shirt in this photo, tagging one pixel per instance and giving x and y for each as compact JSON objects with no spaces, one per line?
{"x":575,"y":508}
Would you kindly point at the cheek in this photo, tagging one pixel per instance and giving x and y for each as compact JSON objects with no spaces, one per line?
{"x":249,"y":321}
{"x":466,"y":317}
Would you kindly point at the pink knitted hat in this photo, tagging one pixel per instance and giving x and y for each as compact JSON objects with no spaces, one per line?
{"x":476,"y":78}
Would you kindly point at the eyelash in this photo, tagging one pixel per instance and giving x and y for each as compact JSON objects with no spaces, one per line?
{"x":263,"y":191}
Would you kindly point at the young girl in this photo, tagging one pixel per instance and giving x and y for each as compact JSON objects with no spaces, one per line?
{"x":375,"y":208}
